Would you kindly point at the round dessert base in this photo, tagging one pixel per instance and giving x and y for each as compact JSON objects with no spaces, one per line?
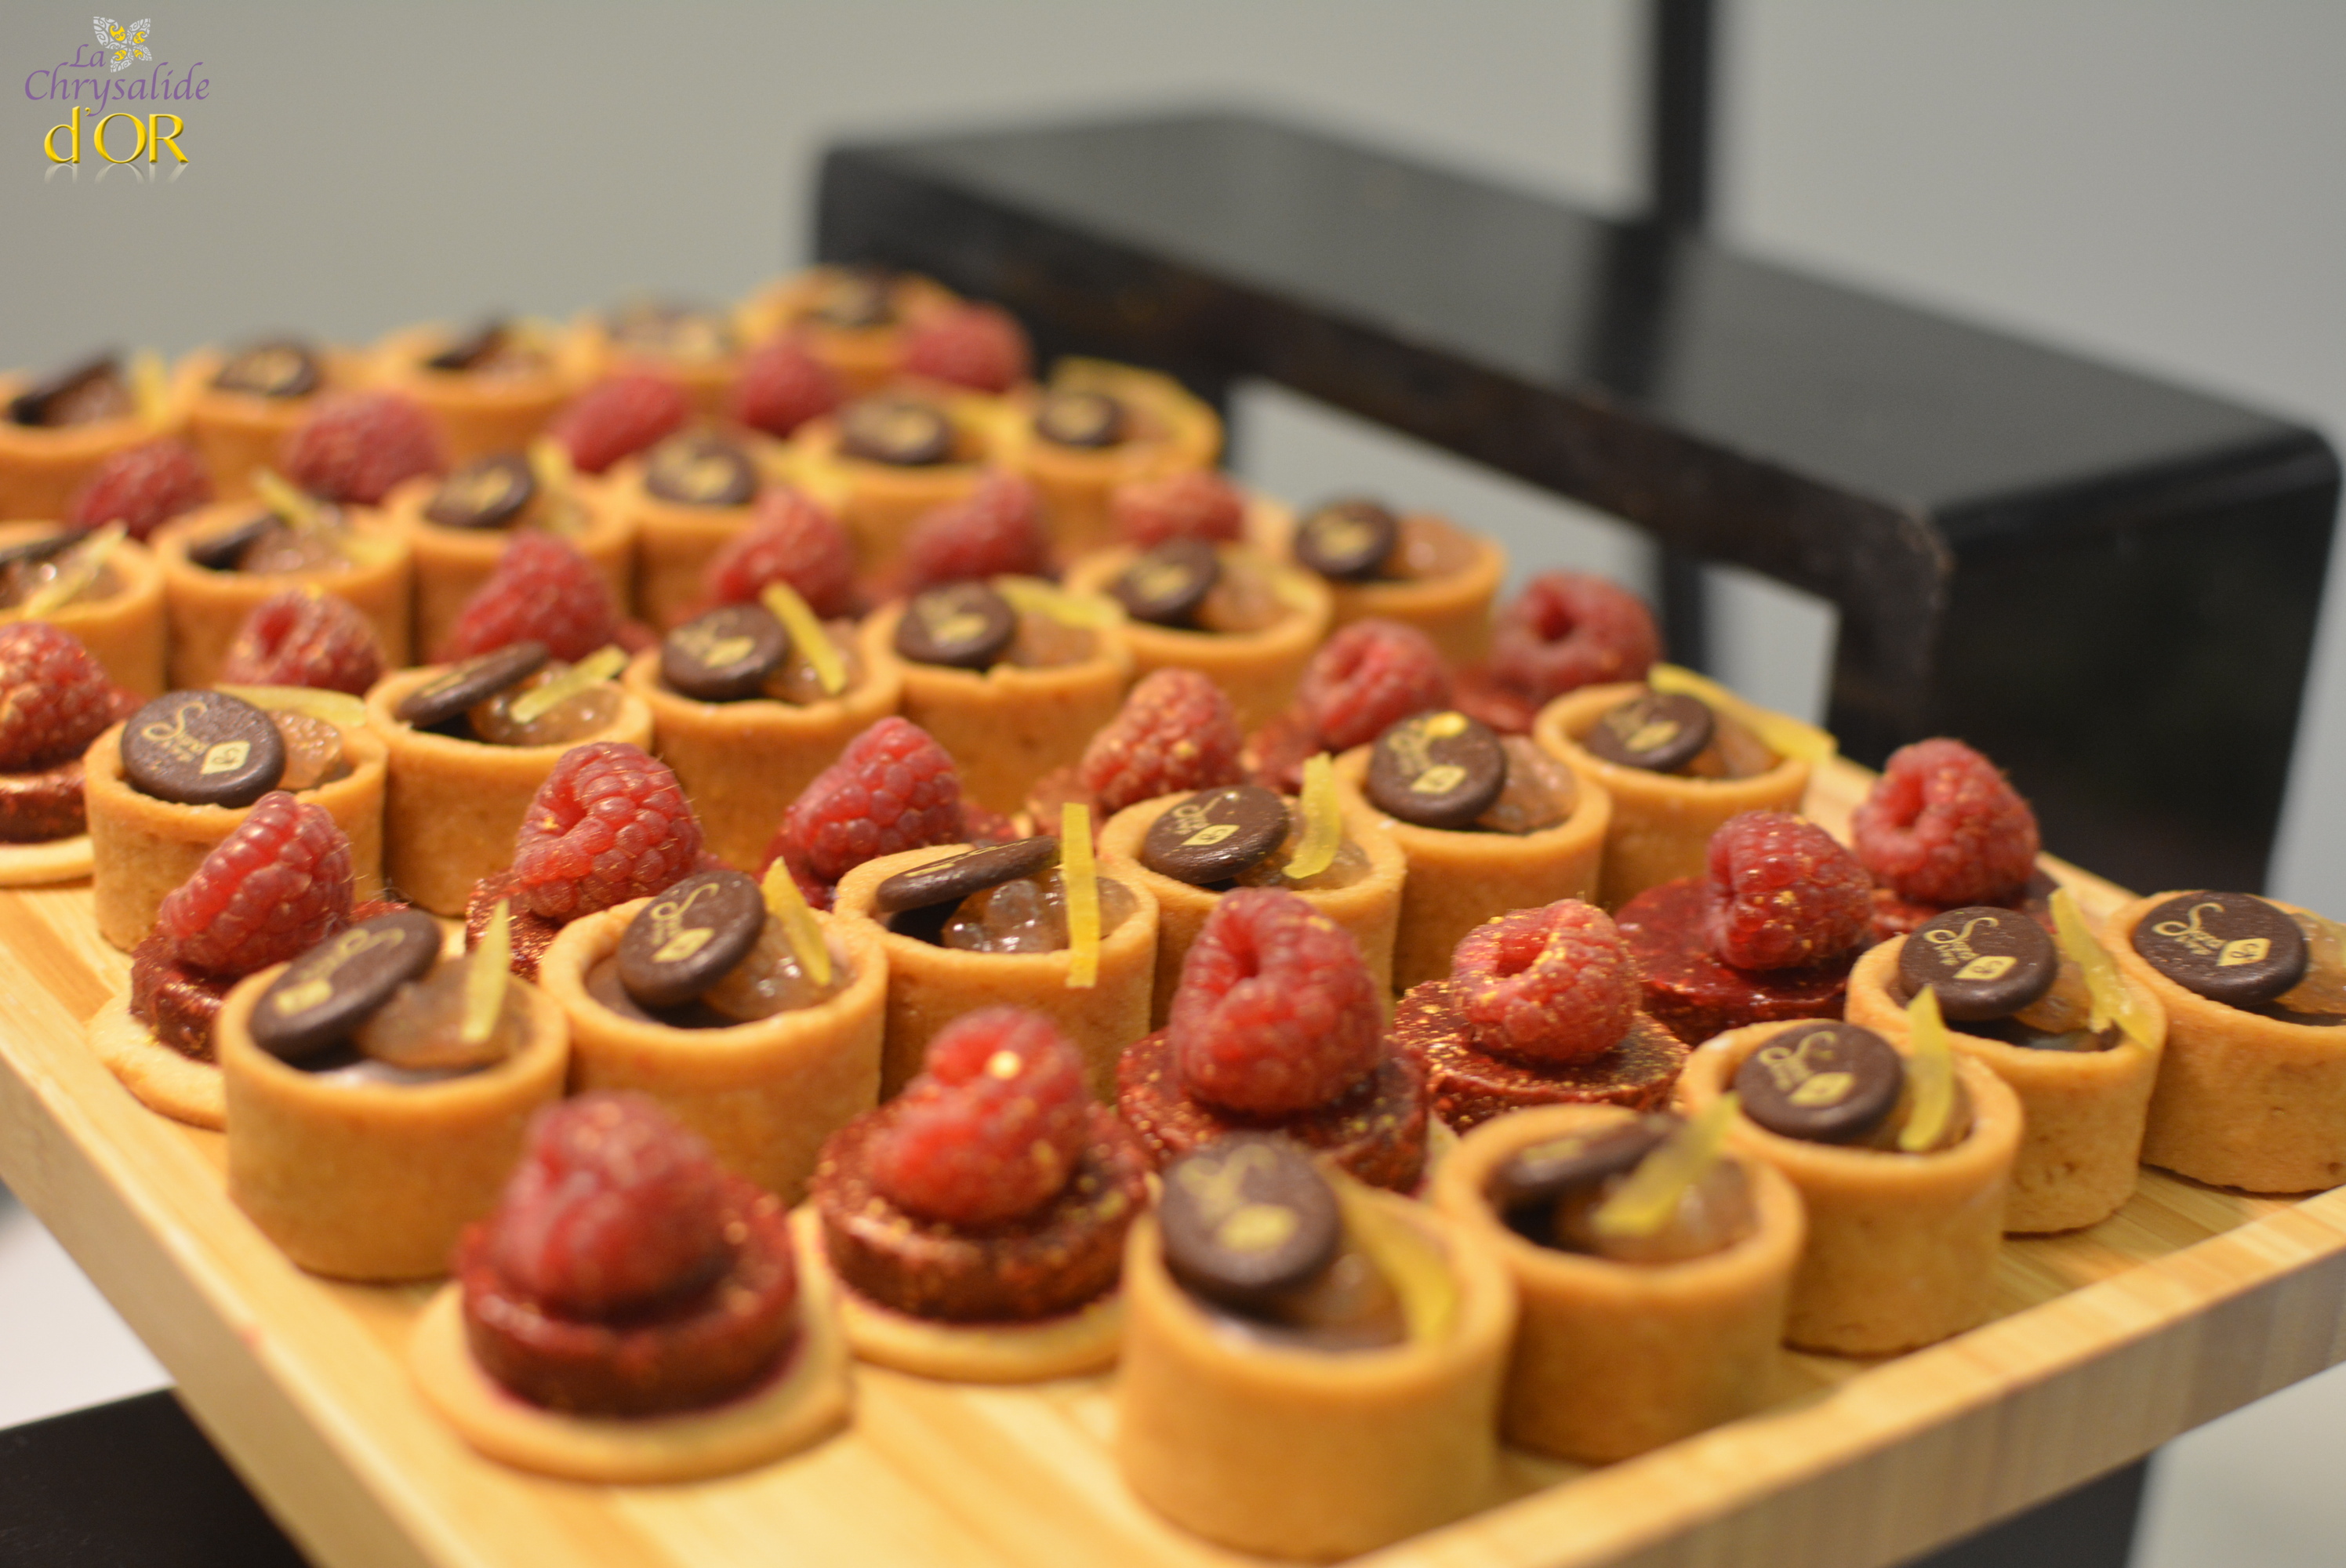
{"x":37,"y":865}
{"x":124,"y":630}
{"x":1662,"y":823}
{"x":2082,"y":1111}
{"x":206,"y":609}
{"x":706,"y":381}
{"x":158,"y":1077}
{"x":1901,"y":1249}
{"x":1470,"y":1087}
{"x":1693,"y":994}
{"x":1069,"y":1345}
{"x":808,"y":1402}
{"x":2242,"y":1100}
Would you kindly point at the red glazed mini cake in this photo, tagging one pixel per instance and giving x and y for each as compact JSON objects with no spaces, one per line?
{"x":977,"y":1220}
{"x":1276,"y":1028}
{"x":54,"y":699}
{"x":56,"y":429}
{"x":1417,"y":568}
{"x":1540,"y":1009}
{"x":1769,"y":932}
{"x":630,"y":1313}
{"x":1942,"y":828}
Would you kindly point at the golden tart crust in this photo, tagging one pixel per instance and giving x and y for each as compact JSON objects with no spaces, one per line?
{"x":1661,"y":823}
{"x":1614,"y":1359}
{"x":123,"y":630}
{"x":477,"y":414}
{"x":42,"y":467}
{"x":864,"y":358}
{"x":878,"y":502}
{"x":674,"y":542}
{"x":763,"y":1095}
{"x":142,"y":847}
{"x":2083,"y":1111}
{"x":206,"y":608}
{"x":930,"y":986}
{"x":1901,"y":1249}
{"x":743,"y":763}
{"x":237,"y":432}
{"x":451,"y":563}
{"x":1171,"y":432}
{"x":163,"y":1080}
{"x":1454,"y":610}
{"x":453,"y":808}
{"x":373,"y":1181}
{"x":708,"y":381}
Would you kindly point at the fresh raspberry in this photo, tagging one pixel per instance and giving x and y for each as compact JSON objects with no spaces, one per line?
{"x":54,"y":696}
{"x":140,"y":487}
{"x":781,"y":386}
{"x":1369,"y":675}
{"x":274,"y":887}
{"x":993,"y":1125}
{"x":1550,"y":984}
{"x":1275,"y":754}
{"x":1195,"y":505}
{"x":791,"y":539}
{"x":543,"y":590}
{"x":982,"y":825}
{"x":977,"y":346}
{"x":1478,"y":694}
{"x":619,"y":416}
{"x":1176,"y":731}
{"x":996,"y":528}
{"x":1782,"y":894}
{"x":894,"y":788}
{"x":610,"y":823}
{"x":300,"y":637}
{"x":614,"y":1206}
{"x":357,"y":446}
{"x":1942,"y":826}
{"x":1276,"y":1012}
{"x":1570,"y":629}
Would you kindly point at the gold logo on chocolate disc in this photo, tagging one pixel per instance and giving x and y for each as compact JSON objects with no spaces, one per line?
{"x":1213,"y":834}
{"x":1800,"y":1081}
{"x":1994,"y":966}
{"x":227,"y":757}
{"x":682,"y":945}
{"x":1257,"y":1227}
{"x":1438,"y":778}
{"x":2244,"y":950}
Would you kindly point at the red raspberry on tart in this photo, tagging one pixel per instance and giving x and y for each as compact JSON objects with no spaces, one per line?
{"x":610,"y":823}
{"x":791,"y":539}
{"x":894,"y":788}
{"x":1940,"y":829}
{"x":1275,"y":1026}
{"x":54,"y":699}
{"x":996,"y":530}
{"x":359,"y":446}
{"x":619,"y":416}
{"x":543,"y":590}
{"x":1196,"y":503}
{"x":1540,"y":1009}
{"x":300,"y":637}
{"x":141,"y":487}
{"x":781,"y":386}
{"x":624,"y":1272}
{"x":1570,"y":629}
{"x":1177,"y":732}
{"x":1768,"y":932}
{"x":981,"y":347}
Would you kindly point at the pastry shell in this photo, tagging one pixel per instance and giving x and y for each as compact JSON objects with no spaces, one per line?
{"x":373,"y":1181}
{"x":878,"y":502}
{"x":864,"y":358}
{"x":451,"y":563}
{"x":675,"y":542}
{"x":1614,"y":1359}
{"x":1294,"y":1452}
{"x":34,"y":865}
{"x":1455,"y":611}
{"x":238,"y":432}
{"x":1007,"y":726}
{"x":2242,"y":1100}
{"x":1661,"y":823}
{"x":2083,"y":1111}
{"x":743,"y":763}
{"x":477,"y":414}
{"x":142,"y":847}
{"x":1901,"y":1249}
{"x":1258,"y":671}
{"x":1371,"y":908}
{"x":806,"y":1402}
{"x":206,"y":608}
{"x":1172,"y":433}
{"x":708,"y":381}
{"x":930,"y":986}
{"x":453,"y":808}
{"x":159,"y":1078}
{"x":42,"y":467}
{"x":1459,"y":880}
{"x":124,"y":630}
{"x":762,"y":1095}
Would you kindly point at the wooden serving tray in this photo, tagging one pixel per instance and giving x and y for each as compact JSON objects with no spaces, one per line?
{"x":2189,"y":1303}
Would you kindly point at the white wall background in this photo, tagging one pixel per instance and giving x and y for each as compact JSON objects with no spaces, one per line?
{"x":2150,"y":181}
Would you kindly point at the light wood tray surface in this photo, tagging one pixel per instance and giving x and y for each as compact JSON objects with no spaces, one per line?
{"x":2189,"y":1303}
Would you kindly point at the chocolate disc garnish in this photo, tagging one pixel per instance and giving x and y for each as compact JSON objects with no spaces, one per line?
{"x":1660,"y":731}
{"x":487,"y":492}
{"x":1214,"y":834}
{"x":1984,"y":963}
{"x":224,"y":550}
{"x":702,"y":471}
{"x":67,"y":396}
{"x":855,"y":300}
{"x":962,"y":626}
{"x":1440,"y":769}
{"x":336,"y":986}
{"x":685,"y":939}
{"x":895,"y":431}
{"x":475,"y":681}
{"x":1164,"y":586}
{"x":202,"y":749}
{"x":956,"y":877}
{"x":1546,"y":1171}
{"x":2232,"y":948}
{"x":1824,"y":1083}
{"x":1349,"y":541}
{"x":471,"y":349}
{"x":31,"y":552}
{"x":1247,"y":1218}
{"x":278,"y":368}
{"x":724,"y":656}
{"x":1086,"y":419}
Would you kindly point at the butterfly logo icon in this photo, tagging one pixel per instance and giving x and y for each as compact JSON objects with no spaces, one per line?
{"x":122,"y":44}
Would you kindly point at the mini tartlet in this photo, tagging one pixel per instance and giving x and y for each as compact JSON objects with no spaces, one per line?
{"x":850,"y":319}
{"x":1096,"y":424}
{"x":698,"y":347}
{"x":205,"y":607}
{"x":685,"y":500}
{"x":494,"y":387}
{"x":120,"y":620}
{"x":1379,"y":576}
{"x":43,"y":464}
{"x":243,"y":403}
{"x":878,"y":500}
